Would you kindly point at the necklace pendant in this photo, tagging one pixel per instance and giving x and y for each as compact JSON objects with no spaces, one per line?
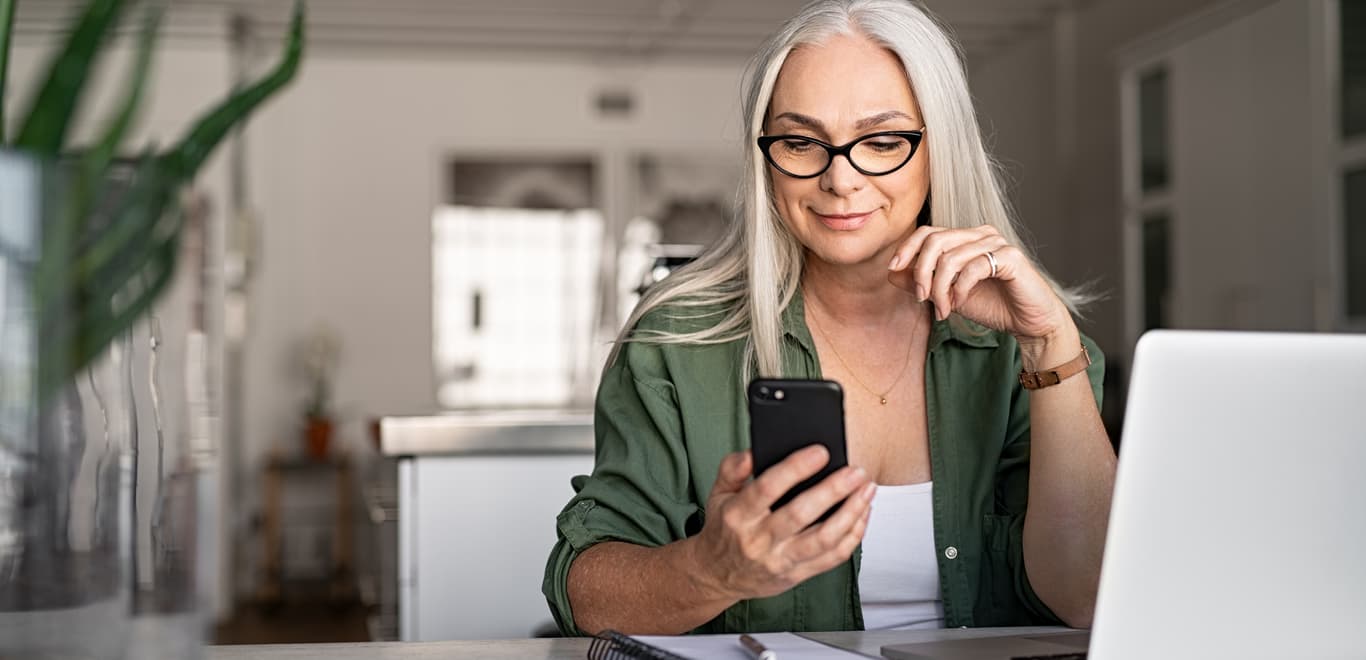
{"x":884,"y":400}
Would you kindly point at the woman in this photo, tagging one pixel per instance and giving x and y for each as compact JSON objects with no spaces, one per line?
{"x":858,"y":115}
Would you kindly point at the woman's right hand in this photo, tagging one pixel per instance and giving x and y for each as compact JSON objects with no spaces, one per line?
{"x":747,"y":551}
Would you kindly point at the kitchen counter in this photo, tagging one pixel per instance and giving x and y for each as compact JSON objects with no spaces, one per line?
{"x":489,"y":432}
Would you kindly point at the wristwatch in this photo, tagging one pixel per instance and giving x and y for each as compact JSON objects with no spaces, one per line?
{"x":1035,"y":380}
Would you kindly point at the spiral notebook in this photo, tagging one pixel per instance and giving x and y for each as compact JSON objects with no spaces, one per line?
{"x":612,"y":645}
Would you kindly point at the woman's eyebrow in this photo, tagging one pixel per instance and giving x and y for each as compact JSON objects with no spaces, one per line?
{"x":881,"y":118}
{"x":798,"y":118}
{"x":866,"y":122}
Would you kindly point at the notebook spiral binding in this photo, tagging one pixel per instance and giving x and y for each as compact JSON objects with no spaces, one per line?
{"x":612,"y":645}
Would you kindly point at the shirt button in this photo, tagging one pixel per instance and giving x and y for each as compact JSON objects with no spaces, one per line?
{"x":951,"y":552}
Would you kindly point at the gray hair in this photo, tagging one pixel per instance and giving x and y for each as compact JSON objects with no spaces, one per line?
{"x":755,"y":268}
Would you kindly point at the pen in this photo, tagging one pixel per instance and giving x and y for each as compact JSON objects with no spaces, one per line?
{"x":756,"y":649}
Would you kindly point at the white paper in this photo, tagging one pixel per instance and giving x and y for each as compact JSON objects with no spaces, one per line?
{"x":787,"y":646}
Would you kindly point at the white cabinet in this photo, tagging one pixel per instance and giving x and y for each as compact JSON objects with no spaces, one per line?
{"x":476,"y":524}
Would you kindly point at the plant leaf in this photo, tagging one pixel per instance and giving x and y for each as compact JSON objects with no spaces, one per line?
{"x":75,"y":342}
{"x":69,"y":262}
{"x":213,"y":126}
{"x":95,"y":282}
{"x":96,"y":161}
{"x":6,"y":29}
{"x":44,"y":129}
{"x":106,"y":282}
{"x":83,"y":305}
{"x":91,"y":181}
{"x":144,"y":288}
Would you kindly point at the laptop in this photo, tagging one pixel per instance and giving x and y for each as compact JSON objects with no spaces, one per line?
{"x":1238,"y":525}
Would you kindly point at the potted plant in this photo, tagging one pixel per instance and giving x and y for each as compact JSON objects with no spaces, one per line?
{"x":88,"y":243}
{"x":318,"y":358}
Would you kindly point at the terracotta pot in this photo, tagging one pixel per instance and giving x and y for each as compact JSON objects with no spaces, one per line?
{"x":318,"y":435}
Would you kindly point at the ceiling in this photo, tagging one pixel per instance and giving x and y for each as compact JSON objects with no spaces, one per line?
{"x":656,"y":29}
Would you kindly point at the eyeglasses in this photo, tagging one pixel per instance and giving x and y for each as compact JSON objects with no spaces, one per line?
{"x":874,"y":154}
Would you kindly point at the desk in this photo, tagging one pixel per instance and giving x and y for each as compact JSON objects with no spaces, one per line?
{"x":867,"y":643}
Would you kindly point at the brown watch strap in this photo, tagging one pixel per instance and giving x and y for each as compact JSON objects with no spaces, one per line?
{"x":1035,"y":380}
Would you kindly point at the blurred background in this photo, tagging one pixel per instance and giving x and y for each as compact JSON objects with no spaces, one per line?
{"x":420,"y":251}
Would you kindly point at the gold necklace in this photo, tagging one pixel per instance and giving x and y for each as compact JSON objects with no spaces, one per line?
{"x":881,"y":397}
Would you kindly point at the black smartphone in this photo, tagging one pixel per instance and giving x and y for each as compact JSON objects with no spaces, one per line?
{"x":788,"y":414}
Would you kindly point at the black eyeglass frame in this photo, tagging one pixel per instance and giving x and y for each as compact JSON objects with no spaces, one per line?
{"x":766,"y":141}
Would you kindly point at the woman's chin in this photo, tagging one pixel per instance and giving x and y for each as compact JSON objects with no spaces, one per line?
{"x":847,"y":253}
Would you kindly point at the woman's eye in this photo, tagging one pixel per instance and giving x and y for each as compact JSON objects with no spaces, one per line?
{"x":884,"y":145}
{"x":796,"y":146}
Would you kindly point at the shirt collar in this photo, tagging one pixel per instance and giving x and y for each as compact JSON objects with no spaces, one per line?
{"x":956,"y":328}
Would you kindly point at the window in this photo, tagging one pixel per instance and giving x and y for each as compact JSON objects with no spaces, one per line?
{"x":1150,"y":213}
{"x":515,"y":295}
{"x":1154,"y":154}
{"x":1354,"y":230}
{"x":1353,"y":52}
{"x":1156,"y":271}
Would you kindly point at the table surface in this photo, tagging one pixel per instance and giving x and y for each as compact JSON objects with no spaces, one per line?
{"x":867,"y":643}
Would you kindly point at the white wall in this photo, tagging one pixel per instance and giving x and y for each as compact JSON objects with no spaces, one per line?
{"x":346,"y":173}
{"x":1015,"y":95}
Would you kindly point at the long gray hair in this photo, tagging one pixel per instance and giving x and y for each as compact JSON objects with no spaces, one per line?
{"x":754,"y":269}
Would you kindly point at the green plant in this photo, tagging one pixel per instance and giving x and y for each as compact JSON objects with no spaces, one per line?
{"x":318,"y":355}
{"x":110,"y":249}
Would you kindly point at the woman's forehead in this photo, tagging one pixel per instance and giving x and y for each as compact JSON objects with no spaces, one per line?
{"x":842,"y":80}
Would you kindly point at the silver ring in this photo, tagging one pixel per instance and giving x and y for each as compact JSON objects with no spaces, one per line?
{"x":991,"y":259}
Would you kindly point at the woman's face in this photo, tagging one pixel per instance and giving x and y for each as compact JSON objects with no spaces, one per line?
{"x":836,"y":92}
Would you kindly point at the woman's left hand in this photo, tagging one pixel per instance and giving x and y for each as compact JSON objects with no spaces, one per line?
{"x":950,"y":267}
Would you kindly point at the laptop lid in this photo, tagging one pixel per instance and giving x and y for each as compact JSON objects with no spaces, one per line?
{"x":1238,"y":525}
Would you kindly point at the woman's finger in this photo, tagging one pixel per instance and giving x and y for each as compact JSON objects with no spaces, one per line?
{"x":973,"y":273}
{"x":951,"y":266}
{"x":735,"y":469}
{"x":906,"y":253}
{"x":768,"y":487}
{"x":820,"y":540}
{"x":927,"y":260}
{"x":806,"y":508}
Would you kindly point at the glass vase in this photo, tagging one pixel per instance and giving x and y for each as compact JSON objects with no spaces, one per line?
{"x":65,"y":462}
{"x":108,"y":507}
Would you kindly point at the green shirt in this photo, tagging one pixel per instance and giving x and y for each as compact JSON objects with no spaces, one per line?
{"x":666,"y":414}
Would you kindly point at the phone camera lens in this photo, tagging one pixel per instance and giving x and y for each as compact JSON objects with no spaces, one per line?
{"x":763,"y":392}
{"x":778,"y":394}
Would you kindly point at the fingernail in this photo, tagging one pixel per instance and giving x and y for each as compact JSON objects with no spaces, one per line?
{"x":920,"y":292}
{"x":896,"y":263}
{"x":869,"y":491}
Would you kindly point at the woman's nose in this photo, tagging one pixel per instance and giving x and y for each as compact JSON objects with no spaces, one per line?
{"x":841,"y":178}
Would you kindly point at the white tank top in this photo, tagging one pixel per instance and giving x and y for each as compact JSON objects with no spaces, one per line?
{"x":898,"y":577}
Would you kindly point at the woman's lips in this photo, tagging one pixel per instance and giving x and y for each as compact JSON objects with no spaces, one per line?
{"x":843,"y":221}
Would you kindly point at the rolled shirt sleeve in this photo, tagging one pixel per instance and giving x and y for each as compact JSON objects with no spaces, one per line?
{"x":639,"y":490}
